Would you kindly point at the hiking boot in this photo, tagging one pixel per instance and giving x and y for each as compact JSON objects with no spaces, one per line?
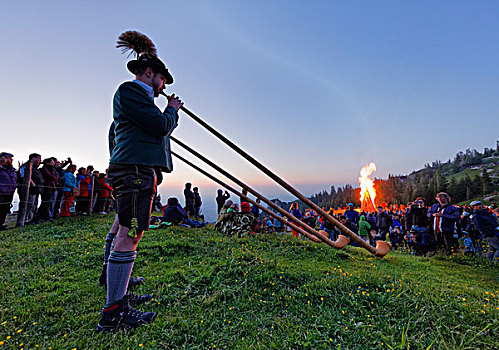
{"x":122,"y":315}
{"x":136,"y":300}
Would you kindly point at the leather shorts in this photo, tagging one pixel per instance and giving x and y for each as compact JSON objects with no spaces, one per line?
{"x":135,"y":188}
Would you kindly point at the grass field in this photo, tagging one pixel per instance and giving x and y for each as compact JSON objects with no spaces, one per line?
{"x":251,"y":293}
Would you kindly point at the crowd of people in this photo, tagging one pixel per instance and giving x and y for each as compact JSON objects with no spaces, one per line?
{"x":50,"y":188}
{"x":419,"y":228}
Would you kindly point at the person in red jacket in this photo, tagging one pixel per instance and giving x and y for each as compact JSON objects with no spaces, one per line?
{"x":104,"y":194}
{"x":82,"y":203}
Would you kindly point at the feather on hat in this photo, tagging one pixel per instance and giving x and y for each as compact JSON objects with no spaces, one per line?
{"x":146,"y":54}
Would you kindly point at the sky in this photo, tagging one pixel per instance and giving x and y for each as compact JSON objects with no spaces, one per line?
{"x":314,"y":90}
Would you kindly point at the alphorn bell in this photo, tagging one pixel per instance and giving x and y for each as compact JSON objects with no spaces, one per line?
{"x":382,"y":247}
{"x":316,"y":236}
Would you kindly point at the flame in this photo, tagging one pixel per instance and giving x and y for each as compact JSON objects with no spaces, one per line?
{"x":367,"y":191}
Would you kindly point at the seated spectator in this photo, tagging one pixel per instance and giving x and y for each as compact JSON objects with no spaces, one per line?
{"x":419,"y":241}
{"x":395,"y":237}
{"x":488,"y":227}
{"x":224,"y":208}
{"x":157,"y":206}
{"x":234,"y":223}
{"x":469,"y":248}
{"x":269,"y":227}
{"x":174,"y":213}
{"x":309,"y":219}
{"x":233,"y":207}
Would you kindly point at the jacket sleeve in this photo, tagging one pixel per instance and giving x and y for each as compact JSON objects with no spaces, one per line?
{"x":141,"y":111}
{"x":105,"y":186}
{"x":451,"y":214}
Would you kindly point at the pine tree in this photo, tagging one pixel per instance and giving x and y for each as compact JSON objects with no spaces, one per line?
{"x":486,"y":183}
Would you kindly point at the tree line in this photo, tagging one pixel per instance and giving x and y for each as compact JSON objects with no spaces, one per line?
{"x":452,"y":177}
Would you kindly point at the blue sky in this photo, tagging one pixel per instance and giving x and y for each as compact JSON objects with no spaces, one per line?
{"x":314,"y":90}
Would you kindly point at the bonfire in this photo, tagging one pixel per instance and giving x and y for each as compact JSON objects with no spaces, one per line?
{"x":367,"y":191}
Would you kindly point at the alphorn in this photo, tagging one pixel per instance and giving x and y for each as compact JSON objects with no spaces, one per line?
{"x":382,"y":248}
{"x":342,"y":240}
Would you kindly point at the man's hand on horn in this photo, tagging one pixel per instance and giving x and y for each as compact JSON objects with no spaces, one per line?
{"x":174,"y":101}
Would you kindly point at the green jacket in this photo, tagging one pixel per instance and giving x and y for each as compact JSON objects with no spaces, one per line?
{"x":140,"y":133}
{"x":364,"y":226}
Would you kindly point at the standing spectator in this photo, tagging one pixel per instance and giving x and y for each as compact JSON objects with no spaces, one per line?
{"x":221,"y":198}
{"x":352,"y":215}
{"x":278,"y":224}
{"x":104,"y":194}
{"x":35,"y":183}
{"x":68,"y":191}
{"x":189,"y":199}
{"x":383,"y":222}
{"x":244,"y":192}
{"x":95,"y":192}
{"x":329,"y":227}
{"x":59,"y":195}
{"x":295,"y":211}
{"x":416,"y":215}
{"x":255,"y":210}
{"x":444,"y":217}
{"x":197,"y":204}
{"x":8,"y":184}
{"x":487,"y":225}
{"x":50,"y":178}
{"x":82,"y":182}
{"x":364,"y":228}
{"x":90,"y":170}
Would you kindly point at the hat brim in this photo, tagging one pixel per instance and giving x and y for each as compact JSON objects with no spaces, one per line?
{"x":134,"y":64}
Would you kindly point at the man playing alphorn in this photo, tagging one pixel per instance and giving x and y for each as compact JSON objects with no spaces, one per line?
{"x":140,"y":153}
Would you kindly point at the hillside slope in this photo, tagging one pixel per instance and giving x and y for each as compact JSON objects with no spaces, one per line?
{"x":250,"y":293}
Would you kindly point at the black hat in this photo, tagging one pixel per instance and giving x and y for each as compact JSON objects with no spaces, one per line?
{"x":147,"y":60}
{"x":6,"y":154}
{"x":146,"y":53}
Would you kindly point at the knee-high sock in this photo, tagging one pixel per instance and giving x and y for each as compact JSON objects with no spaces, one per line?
{"x":119,"y":269}
{"x":109,"y":242}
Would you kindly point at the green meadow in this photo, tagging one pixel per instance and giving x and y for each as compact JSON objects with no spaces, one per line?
{"x":258,"y":292}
